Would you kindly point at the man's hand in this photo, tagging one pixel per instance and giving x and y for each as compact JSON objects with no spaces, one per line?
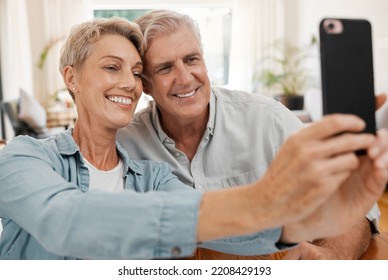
{"x":348,"y":246}
{"x":309,"y":251}
{"x":380,"y":100}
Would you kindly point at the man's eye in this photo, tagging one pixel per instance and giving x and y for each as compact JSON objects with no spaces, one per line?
{"x":164,"y":69}
{"x":193,"y":59}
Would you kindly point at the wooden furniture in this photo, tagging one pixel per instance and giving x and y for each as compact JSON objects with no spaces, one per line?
{"x":206,"y":254}
{"x":378,"y":250}
{"x":383,"y":205}
{"x":61,"y":117}
{"x":2,"y":143}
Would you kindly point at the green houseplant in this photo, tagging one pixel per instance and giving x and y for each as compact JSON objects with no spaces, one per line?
{"x":283,"y":72}
{"x":54,"y":96}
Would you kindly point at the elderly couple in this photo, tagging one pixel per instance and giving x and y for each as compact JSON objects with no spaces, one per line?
{"x":200,"y":167}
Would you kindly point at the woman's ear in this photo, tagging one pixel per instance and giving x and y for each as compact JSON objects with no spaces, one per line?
{"x":70,"y":78}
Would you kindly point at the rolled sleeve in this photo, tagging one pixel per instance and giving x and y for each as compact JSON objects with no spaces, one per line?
{"x":261,"y":243}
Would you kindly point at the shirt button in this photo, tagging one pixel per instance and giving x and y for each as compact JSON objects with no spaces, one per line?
{"x":200,"y":187}
{"x":176,"y":252}
{"x":177,"y":154}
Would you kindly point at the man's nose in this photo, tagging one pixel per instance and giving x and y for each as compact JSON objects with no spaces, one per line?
{"x":183,"y":74}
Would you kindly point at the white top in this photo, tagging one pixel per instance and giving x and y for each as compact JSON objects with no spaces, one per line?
{"x":109,"y":181}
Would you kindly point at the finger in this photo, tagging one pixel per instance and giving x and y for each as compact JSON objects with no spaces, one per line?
{"x":381,"y":162}
{"x":293,"y":254}
{"x":335,"y":166}
{"x":367,"y":183}
{"x":380,"y":100}
{"x":331,"y":125}
{"x":333,"y":173}
{"x":343,"y":143}
{"x":332,"y":183}
{"x":381,"y":176}
{"x":380,"y":145}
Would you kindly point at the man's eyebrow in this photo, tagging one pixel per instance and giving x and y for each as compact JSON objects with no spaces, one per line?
{"x":170,"y":62}
{"x":194,"y":53}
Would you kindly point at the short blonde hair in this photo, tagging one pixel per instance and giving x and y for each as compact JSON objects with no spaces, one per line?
{"x":79,"y":44}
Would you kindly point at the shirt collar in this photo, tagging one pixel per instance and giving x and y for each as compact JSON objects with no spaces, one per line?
{"x":212,"y":113}
{"x":67,"y":146}
{"x":156,"y":123}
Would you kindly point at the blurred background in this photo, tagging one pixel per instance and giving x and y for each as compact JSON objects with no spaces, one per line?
{"x":238,"y":38}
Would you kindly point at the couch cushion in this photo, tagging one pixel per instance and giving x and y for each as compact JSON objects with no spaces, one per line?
{"x":32,"y":112}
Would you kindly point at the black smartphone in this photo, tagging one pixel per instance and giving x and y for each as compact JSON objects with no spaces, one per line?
{"x":347,"y":68}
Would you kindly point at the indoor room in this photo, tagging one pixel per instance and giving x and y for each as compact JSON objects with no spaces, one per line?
{"x":264,"y":47}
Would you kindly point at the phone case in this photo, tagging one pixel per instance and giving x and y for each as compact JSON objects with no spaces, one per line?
{"x":347,"y":68}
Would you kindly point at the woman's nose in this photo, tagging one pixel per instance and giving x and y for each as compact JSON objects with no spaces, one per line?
{"x":128,"y":82}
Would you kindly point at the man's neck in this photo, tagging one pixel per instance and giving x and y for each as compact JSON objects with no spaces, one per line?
{"x":186,"y":135}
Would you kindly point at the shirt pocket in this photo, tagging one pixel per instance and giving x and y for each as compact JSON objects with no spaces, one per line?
{"x":244,"y":178}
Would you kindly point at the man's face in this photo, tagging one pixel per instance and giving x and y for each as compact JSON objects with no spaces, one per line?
{"x":178,"y":76}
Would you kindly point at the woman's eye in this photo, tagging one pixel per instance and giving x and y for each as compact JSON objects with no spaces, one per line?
{"x":111,"y":68}
{"x":137,"y":74}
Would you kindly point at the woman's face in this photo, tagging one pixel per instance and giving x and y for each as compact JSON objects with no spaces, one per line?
{"x":109,"y":84}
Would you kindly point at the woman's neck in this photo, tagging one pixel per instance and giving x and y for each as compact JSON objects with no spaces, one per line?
{"x":97,"y":145}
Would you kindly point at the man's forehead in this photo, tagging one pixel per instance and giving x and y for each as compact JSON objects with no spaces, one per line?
{"x":169,"y":51}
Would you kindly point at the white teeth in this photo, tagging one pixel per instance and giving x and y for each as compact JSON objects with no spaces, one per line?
{"x":184,"y":95}
{"x":120,"y":100}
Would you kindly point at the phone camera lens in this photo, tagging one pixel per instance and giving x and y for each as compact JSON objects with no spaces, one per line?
{"x":333,"y":26}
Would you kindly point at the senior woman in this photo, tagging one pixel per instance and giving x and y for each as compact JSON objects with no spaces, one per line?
{"x":63,"y":197}
{"x":78,"y":195}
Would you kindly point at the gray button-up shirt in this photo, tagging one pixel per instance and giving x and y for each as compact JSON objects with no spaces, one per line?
{"x":243,"y":134}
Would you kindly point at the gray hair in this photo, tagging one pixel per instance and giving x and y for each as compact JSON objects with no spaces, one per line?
{"x":165,"y":22}
{"x":79,"y":45}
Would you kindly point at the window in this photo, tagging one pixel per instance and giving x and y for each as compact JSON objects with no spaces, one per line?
{"x":215,"y":26}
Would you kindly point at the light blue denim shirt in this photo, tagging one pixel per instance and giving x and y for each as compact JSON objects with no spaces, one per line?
{"x":244,"y":133}
{"x":48,"y":213}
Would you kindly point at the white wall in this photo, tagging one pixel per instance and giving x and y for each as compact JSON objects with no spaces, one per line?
{"x":301,"y":18}
{"x":376,"y":11}
{"x":305,"y":21}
